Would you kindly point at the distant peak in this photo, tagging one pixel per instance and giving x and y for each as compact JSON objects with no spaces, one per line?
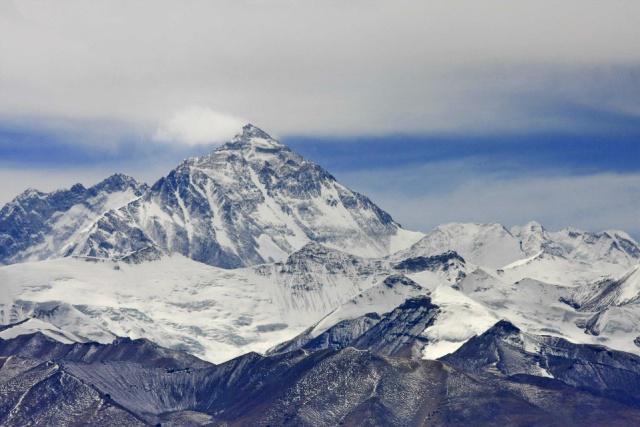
{"x":116,"y":182}
{"x":251,"y":131}
{"x":254,"y":137}
{"x":30,"y":192}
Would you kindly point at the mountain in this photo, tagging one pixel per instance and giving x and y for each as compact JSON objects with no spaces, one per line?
{"x":250,"y":201}
{"x":36,"y":225}
{"x":612,"y":307}
{"x":183,"y":304}
{"x":370,"y":317}
{"x":213,"y":313}
{"x":116,"y":299}
{"x":614,"y":246}
{"x":37,"y":393}
{"x":489,"y":245}
{"x":500,"y":377}
{"x":532,"y":251}
{"x":217,"y":314}
{"x":41,"y":346}
{"x":508,"y":350}
{"x":605,"y":293}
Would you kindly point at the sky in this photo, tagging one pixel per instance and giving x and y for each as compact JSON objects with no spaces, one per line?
{"x":439,"y":111}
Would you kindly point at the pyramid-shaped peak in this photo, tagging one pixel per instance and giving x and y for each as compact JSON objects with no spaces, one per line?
{"x":250,"y":131}
{"x":253,"y":138}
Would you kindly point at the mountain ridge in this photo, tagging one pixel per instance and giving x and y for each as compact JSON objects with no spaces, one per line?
{"x":37,"y":225}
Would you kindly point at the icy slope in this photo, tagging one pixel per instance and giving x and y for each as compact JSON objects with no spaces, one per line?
{"x":179,"y":303}
{"x":612,"y":307}
{"x":493,"y":246}
{"x":609,"y":292}
{"x":614,"y":246}
{"x":38,"y":225}
{"x":490,"y":245}
{"x":32,"y":325}
{"x":251,"y":201}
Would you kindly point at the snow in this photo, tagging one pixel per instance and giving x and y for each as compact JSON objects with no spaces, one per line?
{"x":459,"y":319}
{"x":30,"y":326}
{"x":490,"y":245}
{"x":560,"y":270}
{"x":269,"y":250}
{"x":214,"y":313}
{"x":631,"y":289}
{"x":522,"y":262}
{"x":378,"y":299}
{"x":404,"y":239}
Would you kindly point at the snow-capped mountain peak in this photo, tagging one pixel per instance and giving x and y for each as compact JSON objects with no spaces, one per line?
{"x":255,"y":137}
{"x":250,"y":201}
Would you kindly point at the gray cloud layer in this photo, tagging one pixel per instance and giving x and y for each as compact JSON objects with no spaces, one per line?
{"x":330,"y":67}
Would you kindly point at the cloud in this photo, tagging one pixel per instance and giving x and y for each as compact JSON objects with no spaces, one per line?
{"x":198,"y":126}
{"x":331,"y":67}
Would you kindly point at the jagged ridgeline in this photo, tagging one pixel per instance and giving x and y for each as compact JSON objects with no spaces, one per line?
{"x":502,"y":377}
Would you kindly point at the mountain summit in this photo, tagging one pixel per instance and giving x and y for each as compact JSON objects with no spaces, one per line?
{"x":250,"y":201}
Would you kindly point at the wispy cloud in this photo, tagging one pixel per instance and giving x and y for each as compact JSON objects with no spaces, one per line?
{"x":198,"y":126}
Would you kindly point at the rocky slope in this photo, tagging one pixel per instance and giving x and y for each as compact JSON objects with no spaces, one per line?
{"x":38,"y":225}
{"x":500,"y":377}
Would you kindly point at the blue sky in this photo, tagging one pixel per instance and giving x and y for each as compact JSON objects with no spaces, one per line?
{"x":439,"y":111}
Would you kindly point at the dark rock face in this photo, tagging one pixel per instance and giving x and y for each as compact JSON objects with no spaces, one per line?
{"x":44,"y":393}
{"x":442,"y":261}
{"x":398,"y":280}
{"x":491,"y":380}
{"x":339,"y":336}
{"x":395,"y":333}
{"x":39,"y":346}
{"x":28,"y":220}
{"x":505,"y":348}
{"x":399,"y":332}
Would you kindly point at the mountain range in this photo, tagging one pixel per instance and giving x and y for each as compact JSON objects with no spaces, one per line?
{"x":249,"y":287}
